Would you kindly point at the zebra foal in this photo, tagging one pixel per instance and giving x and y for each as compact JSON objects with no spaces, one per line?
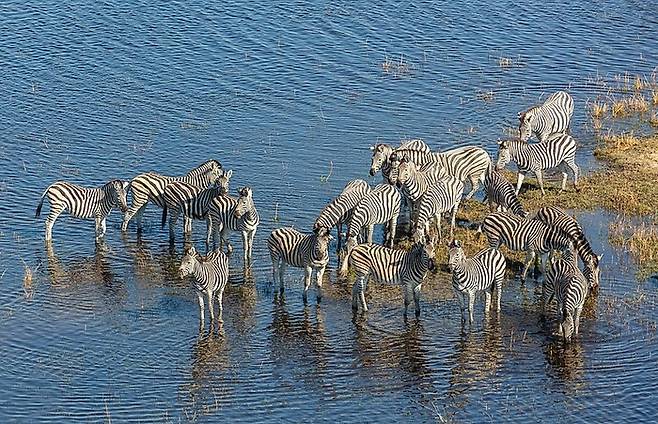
{"x":558,"y":151}
{"x":83,"y":202}
{"x":210,"y":276}
{"x":551,"y":117}
{"x":484,"y":272}
{"x":288,"y":246}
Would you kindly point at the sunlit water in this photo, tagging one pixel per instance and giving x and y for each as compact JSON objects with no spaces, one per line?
{"x":290,"y":97}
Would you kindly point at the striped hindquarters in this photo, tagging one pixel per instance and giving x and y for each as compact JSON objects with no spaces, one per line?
{"x":552,"y":117}
{"x":522,"y":234}
{"x":192,"y":201}
{"x":501,"y":192}
{"x":149,"y":187}
{"x":391,"y":266}
{"x":441,"y":197}
{"x":465,"y":162}
{"x":297,"y":249}
{"x":479,"y":272}
{"x":379,"y":206}
{"x":81,"y":202}
{"x":337,"y":210}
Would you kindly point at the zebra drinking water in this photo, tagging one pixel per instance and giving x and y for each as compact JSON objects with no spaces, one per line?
{"x":484,"y":272}
{"x":391,"y":266}
{"x":150,"y":186}
{"x":551,"y":117}
{"x":210,"y":275}
{"x":83,"y":202}
{"x":499,"y":191}
{"x":288,"y":246}
{"x":559,"y":150}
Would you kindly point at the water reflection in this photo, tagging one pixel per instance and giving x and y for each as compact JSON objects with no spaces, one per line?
{"x":566,"y":364}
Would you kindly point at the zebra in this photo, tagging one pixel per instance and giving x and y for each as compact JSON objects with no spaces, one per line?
{"x":551,"y":117}
{"x":229,"y":213}
{"x":464,"y":163}
{"x":499,"y":191}
{"x":150,"y":186}
{"x":339,"y":210}
{"x":381,"y":154}
{"x":288,"y":246}
{"x":381,"y":205}
{"x":391,"y":266}
{"x":83,"y":202}
{"x":557,"y":151}
{"x":522,"y":234}
{"x":484,"y":272}
{"x":570,"y":287}
{"x":210,"y":278}
{"x":556,"y":217}
{"x":444,"y":195}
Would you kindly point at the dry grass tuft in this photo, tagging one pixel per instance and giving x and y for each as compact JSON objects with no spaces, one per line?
{"x":641,"y":241}
{"x":598,"y":109}
{"x":505,"y":62}
{"x":637,"y":103}
{"x":653,"y":120}
{"x":28,"y":290}
{"x":396,"y":68}
{"x":619,"y":108}
{"x":654,"y":97}
{"x":638,"y":84}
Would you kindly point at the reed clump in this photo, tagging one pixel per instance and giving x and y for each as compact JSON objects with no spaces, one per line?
{"x":640,"y":240}
{"x":598,"y":109}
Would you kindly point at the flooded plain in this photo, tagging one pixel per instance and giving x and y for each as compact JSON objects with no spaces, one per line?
{"x":290,"y":97}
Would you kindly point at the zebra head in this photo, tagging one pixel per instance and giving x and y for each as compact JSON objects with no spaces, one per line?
{"x":504,"y":156}
{"x":116,"y":190}
{"x":525,"y":124}
{"x":188,"y":262}
{"x":456,"y":254}
{"x":380,"y":155}
{"x":405,"y":170}
{"x":592,"y":271}
{"x":214,"y":172}
{"x":321,"y":245}
{"x":223,"y":181}
{"x":245,"y":202}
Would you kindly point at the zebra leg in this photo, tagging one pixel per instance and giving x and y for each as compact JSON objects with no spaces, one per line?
{"x":250,"y":239}
{"x":407,"y":298}
{"x":392,"y":227}
{"x":499,"y":291}
{"x":307,"y":283}
{"x":187,"y":227}
{"x":55,"y":211}
{"x":319,"y":276}
{"x":245,"y":248}
{"x":574,"y":168}
{"x":519,"y":182}
{"x":577,"y":320}
{"x":139,"y":217}
{"x":540,"y":179}
{"x":453,"y":219}
{"x":201,"y":311}
{"x":471,"y":304}
{"x":355,"y":295}
{"x":211,"y":307}
{"x":282,"y":270}
{"x":220,"y":308}
{"x":417,"y":298}
{"x":362,"y":292}
{"x":224,"y":238}
{"x":208,"y":231}
{"x":339,"y":229}
{"x":530,"y":255}
{"x":173,"y":217}
{"x":137,"y":207}
{"x":371,"y":229}
{"x":460,"y":297}
{"x":475,"y":183}
{"x":487,"y":302}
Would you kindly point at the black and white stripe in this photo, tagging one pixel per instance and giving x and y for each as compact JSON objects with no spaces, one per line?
{"x":499,"y":191}
{"x":484,"y":272}
{"x":558,"y":151}
{"x":525,"y":235}
{"x":228,"y":214}
{"x":288,"y":246}
{"x":381,"y":155}
{"x":150,"y":187}
{"x":551,"y":117}
{"x":190,"y":201}
{"x":391,"y":266}
{"x":444,"y":195}
{"x":339,"y":210}
{"x":556,"y":217}
{"x":83,"y":202}
{"x":210,"y":275}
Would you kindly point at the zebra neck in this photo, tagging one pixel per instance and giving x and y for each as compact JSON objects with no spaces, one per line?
{"x":413,"y":186}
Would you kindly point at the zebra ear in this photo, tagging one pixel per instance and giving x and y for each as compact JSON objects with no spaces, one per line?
{"x":372,"y":148}
{"x":600,"y":257}
{"x":229,"y":173}
{"x":191,"y":251}
{"x":125,"y":185}
{"x":521,"y":115}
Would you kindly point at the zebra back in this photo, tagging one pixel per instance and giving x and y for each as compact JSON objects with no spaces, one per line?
{"x":85,"y":202}
{"x":522,"y":234}
{"x":477,"y":273}
{"x":337,"y":210}
{"x":298,"y":249}
{"x":392,"y":266}
{"x":442,"y":195}
{"x":377,"y":207}
{"x":537,"y":156}
{"x":551,"y":117}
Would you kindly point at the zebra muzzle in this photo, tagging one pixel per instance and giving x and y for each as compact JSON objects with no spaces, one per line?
{"x":431,"y":265}
{"x":372,"y":172}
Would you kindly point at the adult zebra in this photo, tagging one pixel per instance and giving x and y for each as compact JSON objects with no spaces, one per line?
{"x":381,"y":154}
{"x":556,"y":217}
{"x":558,"y":150}
{"x":499,"y":191}
{"x":522,"y":234}
{"x":551,"y":117}
{"x":339,"y":210}
{"x":227,"y":214}
{"x":484,"y":272}
{"x":150,"y":186}
{"x":391,"y":266}
{"x":193,"y":202}
{"x":414,"y":182}
{"x":210,"y":277}
{"x":83,"y":202}
{"x":288,"y":246}
{"x":444,"y":195}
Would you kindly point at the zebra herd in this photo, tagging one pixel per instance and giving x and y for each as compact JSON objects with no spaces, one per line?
{"x":429,"y":183}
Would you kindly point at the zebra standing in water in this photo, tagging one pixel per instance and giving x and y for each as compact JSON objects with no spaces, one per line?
{"x":499,"y":191}
{"x":339,"y":211}
{"x":380,"y":206}
{"x":83,"y":202}
{"x":192,"y":201}
{"x":484,"y":272}
{"x":558,"y":150}
{"x":556,"y":217}
{"x":150,"y":187}
{"x":288,"y":246}
{"x":521,"y":234}
{"x":569,"y":286}
{"x":234,"y":214}
{"x":551,"y":117}
{"x":381,"y":154}
{"x":210,"y":278}
{"x":391,"y":266}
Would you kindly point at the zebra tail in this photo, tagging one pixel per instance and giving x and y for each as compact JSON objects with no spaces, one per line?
{"x":40,"y":205}
{"x":164,"y":215}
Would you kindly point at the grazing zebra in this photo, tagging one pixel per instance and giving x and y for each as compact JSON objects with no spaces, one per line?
{"x":556,"y":217}
{"x":444,"y":195}
{"x":464,"y":163}
{"x":557,"y":151}
{"x":551,"y":117}
{"x":150,"y":187}
{"x":392,"y":266}
{"x":228,"y":213}
{"x":499,"y":191}
{"x":338,"y":211}
{"x":569,"y":286}
{"x":83,"y":202}
{"x":288,"y":246}
{"x":380,"y":206}
{"x":484,"y":272}
{"x":522,"y":234}
{"x":381,"y":154}
{"x":210,"y":277}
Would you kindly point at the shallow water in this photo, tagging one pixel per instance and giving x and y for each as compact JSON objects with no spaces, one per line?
{"x":284,"y":95}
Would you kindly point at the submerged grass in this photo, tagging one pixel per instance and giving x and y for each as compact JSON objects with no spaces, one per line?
{"x":640,"y":240}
